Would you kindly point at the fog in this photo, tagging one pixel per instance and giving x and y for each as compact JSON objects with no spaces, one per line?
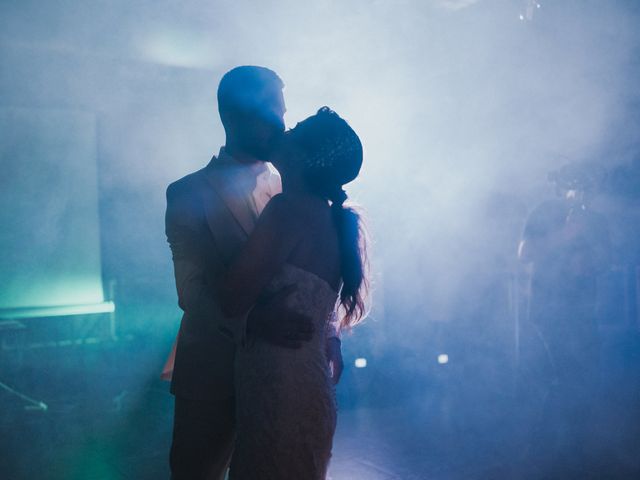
{"x":463,"y":108}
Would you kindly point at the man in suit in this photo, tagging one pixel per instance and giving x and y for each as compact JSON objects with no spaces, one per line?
{"x":210,"y":213}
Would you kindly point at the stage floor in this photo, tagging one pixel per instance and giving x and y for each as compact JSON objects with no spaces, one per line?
{"x":109,"y":418}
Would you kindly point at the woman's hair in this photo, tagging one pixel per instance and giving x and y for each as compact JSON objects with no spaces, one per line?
{"x":332,"y":158}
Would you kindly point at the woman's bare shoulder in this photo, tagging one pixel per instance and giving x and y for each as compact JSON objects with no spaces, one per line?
{"x":287,"y":204}
{"x":285,"y":212}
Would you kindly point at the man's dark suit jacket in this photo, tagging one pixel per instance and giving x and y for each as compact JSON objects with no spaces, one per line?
{"x":209,"y":216}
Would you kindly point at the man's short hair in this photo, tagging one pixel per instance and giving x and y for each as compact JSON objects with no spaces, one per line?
{"x":247,"y":89}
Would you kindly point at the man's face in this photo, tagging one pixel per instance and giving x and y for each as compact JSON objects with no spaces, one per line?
{"x":265,"y":126}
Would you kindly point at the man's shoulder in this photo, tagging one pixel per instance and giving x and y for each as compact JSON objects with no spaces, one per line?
{"x":187,"y":185}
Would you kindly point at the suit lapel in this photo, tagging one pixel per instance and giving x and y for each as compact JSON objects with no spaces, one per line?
{"x":223,"y":184}
{"x":227,"y":233}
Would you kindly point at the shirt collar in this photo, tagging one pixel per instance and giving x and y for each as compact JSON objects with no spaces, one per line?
{"x":249,"y":171}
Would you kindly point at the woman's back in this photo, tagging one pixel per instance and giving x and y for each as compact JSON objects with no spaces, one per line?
{"x":307,"y":239}
{"x":285,"y":398}
{"x":318,"y":250}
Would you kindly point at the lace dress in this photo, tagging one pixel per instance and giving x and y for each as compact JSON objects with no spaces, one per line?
{"x":285,"y":400}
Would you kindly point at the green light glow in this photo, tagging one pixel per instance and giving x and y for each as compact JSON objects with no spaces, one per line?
{"x":57,"y":311}
{"x":49,"y":224}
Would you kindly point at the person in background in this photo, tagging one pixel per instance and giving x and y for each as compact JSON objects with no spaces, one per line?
{"x":567,"y":246}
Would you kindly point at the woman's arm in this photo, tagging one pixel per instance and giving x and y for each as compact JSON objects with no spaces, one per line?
{"x":266,"y":250}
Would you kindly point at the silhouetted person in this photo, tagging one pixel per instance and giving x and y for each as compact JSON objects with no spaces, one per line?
{"x":567,"y":245}
{"x":210,"y":214}
{"x":309,"y":239}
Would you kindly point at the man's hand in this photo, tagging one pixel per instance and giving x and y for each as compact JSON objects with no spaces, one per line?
{"x":334,"y":356}
{"x":273,"y":321}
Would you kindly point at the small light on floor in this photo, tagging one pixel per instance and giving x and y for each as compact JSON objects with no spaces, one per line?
{"x":361,"y":362}
{"x":443,"y":358}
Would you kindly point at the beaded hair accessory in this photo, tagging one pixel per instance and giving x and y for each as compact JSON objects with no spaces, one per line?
{"x":332,"y":153}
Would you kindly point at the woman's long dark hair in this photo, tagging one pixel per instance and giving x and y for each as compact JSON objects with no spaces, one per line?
{"x":333,"y":158}
{"x":354,"y":264}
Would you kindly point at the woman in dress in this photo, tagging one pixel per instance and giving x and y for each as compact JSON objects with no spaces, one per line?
{"x":309,"y":242}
